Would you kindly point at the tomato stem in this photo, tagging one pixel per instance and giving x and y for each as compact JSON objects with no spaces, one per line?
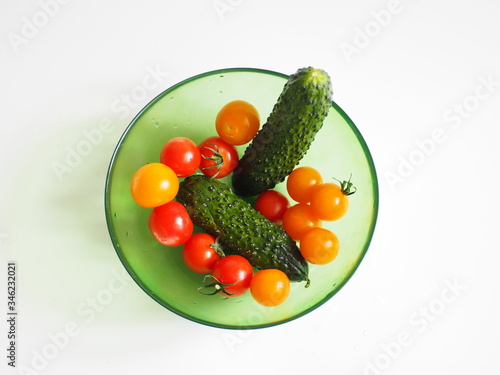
{"x":216,"y":158}
{"x":346,"y":186}
{"x":218,"y":248}
{"x":216,"y":284}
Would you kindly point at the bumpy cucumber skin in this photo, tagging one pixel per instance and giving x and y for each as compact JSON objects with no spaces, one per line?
{"x":287,"y":134}
{"x":240,"y":229}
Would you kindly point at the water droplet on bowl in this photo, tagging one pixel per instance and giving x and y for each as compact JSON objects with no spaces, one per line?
{"x":156,"y":122}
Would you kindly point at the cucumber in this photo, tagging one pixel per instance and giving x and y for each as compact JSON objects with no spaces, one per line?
{"x":239,"y":228}
{"x":287,"y":134}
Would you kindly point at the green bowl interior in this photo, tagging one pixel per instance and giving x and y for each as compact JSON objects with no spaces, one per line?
{"x":189,"y":109}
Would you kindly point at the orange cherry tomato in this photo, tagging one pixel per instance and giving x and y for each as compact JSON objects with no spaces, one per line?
{"x":298,"y":219}
{"x":329,"y":202}
{"x":153,"y":185}
{"x":319,"y":246}
{"x":270,"y":287}
{"x":237,"y":122}
{"x":301,"y":182}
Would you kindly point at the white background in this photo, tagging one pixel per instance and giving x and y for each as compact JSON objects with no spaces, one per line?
{"x":421,"y":80}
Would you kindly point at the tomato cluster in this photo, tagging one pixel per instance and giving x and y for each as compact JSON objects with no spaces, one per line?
{"x":317,"y":201}
{"x":233,"y":275}
{"x":155,"y":186}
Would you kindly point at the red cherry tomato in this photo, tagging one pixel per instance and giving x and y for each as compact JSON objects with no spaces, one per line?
{"x":170,"y":224}
{"x":272,"y":204}
{"x":182,"y":155}
{"x":200,"y":254}
{"x":218,"y":158}
{"x":232,"y":275}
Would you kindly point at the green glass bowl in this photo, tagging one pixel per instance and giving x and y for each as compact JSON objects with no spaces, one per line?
{"x":189,"y":109}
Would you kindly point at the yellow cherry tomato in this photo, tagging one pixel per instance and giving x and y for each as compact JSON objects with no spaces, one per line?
{"x":153,"y":185}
